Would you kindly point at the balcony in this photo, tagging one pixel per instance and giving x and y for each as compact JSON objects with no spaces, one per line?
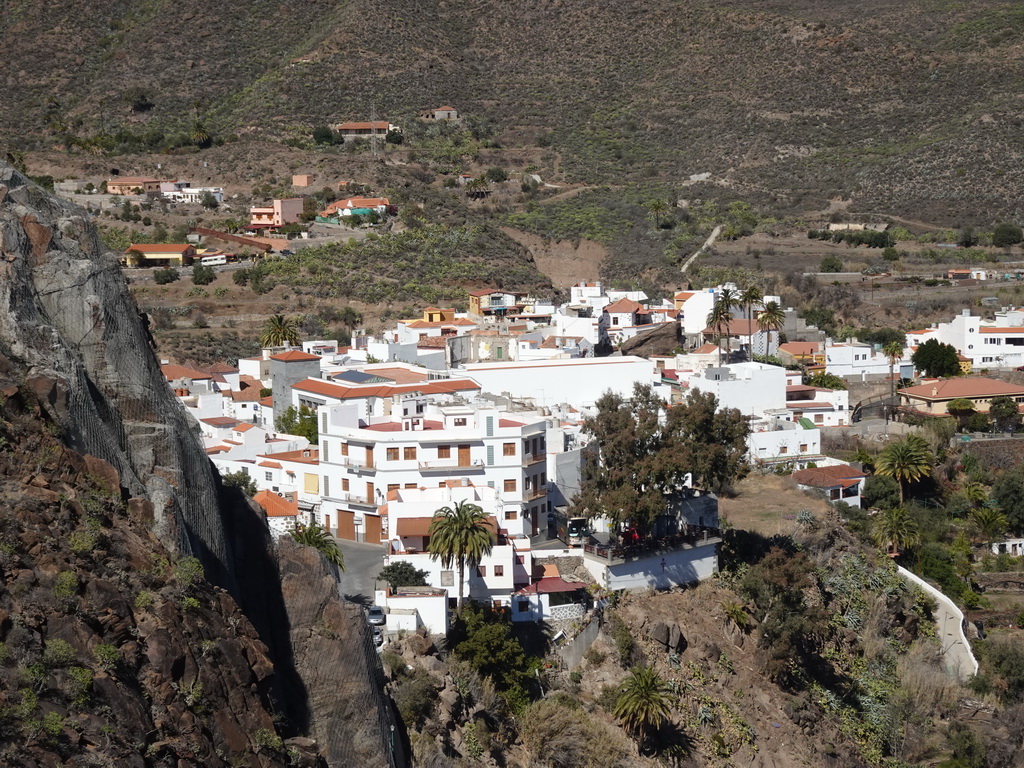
{"x":354,"y":498}
{"x":447,"y":465}
{"x":360,"y":465}
{"x":534,"y":458}
{"x":535,"y":493}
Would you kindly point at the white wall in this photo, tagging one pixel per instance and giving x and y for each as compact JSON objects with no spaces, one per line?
{"x":578,"y":381}
{"x":768,"y":445}
{"x":683,"y":566}
{"x":751,"y":388}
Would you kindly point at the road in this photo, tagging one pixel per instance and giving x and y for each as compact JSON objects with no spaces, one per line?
{"x":707,"y":244}
{"x":362,"y":564}
{"x":956,"y":653}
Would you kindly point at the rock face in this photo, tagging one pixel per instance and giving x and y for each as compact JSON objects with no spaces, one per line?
{"x":336,"y":660}
{"x":67,"y":316}
{"x":661,"y":340}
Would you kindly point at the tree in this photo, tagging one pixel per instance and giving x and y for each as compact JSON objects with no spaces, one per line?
{"x":961,"y":408}
{"x":1005,"y":235}
{"x":199,"y":136}
{"x":322,"y":134}
{"x":642,"y":452}
{"x":460,"y":536}
{"x":496,"y":174}
{"x":750,"y":298}
{"x":208,"y":200}
{"x":771,"y":318}
{"x":240,"y":480}
{"x":279,"y":330}
{"x":394,"y":137}
{"x":895,"y":530}
{"x":299,"y":421}
{"x":966,"y":238}
{"x":720,"y":315}
{"x":906,"y":461}
{"x":642,"y":702}
{"x":936,"y":359}
{"x":203,"y":274}
{"x":1008,"y":494}
{"x":318,"y":537}
{"x":403,"y":574}
{"x":350,"y":316}
{"x":831,"y":264}
{"x":657,"y":209}
{"x":989,"y":522}
{"x":1005,"y":413}
{"x":881,"y":492}
{"x":165,"y":275}
{"x":825,"y":380}
{"x":893,"y":351}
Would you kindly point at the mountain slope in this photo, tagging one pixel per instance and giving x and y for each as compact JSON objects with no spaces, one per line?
{"x":908,"y":107}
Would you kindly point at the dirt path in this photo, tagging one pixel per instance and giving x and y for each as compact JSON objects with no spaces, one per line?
{"x":707,"y":244}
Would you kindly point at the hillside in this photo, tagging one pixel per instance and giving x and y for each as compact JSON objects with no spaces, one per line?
{"x":904,"y":107}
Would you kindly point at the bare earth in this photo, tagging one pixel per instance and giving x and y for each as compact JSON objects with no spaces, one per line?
{"x":768,"y":504}
{"x":561,"y":261}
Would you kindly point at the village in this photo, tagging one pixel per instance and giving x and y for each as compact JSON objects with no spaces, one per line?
{"x":487,"y":408}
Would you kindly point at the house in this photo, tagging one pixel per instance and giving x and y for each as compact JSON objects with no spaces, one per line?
{"x":286,"y":370}
{"x":159,"y":255}
{"x":805,"y":353}
{"x":440,"y":113}
{"x":967,"y":274}
{"x":436,"y":321}
{"x":693,"y":308}
{"x":551,"y":597}
{"x":743,"y":333}
{"x":277,"y":214}
{"x":354,"y":206}
{"x":840,"y":482}
{"x":364,"y":130}
{"x":409,"y":513}
{"x":497,"y":303}
{"x":194,"y":195}
{"x":133,"y":185}
{"x":1012,"y":547}
{"x":856,"y":359}
{"x":425,"y":440}
{"x":775,"y":441}
{"x":412,"y":608}
{"x":282,"y":512}
{"x":932,"y":398}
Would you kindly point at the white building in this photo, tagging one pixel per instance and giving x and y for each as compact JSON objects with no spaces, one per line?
{"x":776,"y":441}
{"x":409,"y":513}
{"x":694,"y":308}
{"x":751,"y":388}
{"x":421,"y":442}
{"x":856,"y":360}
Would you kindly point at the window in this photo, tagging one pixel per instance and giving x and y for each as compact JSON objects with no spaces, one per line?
{"x":524,"y":606}
{"x":460,"y":421}
{"x":490,"y":426}
{"x":499,"y":570}
{"x":410,"y":485}
{"x":508,"y":449}
{"x":323,"y":450}
{"x":803,"y":447}
{"x":481,"y":571}
{"x":344,"y":483}
{"x":393,"y":486}
{"x":391,"y":454}
{"x":327,"y":486}
{"x":344,"y":449}
{"x":510,"y":486}
{"x":511,"y":515}
{"x":783,"y":449}
{"x":818,"y":418}
{"x":444,"y":451}
{"x":520,"y":560}
{"x":268,"y":476}
{"x":409,"y":453}
{"x":323,"y":422}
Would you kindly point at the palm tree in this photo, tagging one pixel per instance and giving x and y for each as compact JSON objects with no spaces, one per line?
{"x":771,"y":318}
{"x":278,"y":331}
{"x":317,"y":536}
{"x":751,"y":298}
{"x":975,"y":493}
{"x":894,"y":351}
{"x":657,"y":208}
{"x":721,"y":314}
{"x":905,"y":461}
{"x":989,"y":522}
{"x":199,"y":136}
{"x":642,"y":702}
{"x":895,"y":530}
{"x":460,"y":536}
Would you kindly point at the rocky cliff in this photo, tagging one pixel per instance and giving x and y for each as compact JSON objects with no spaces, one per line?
{"x":143,"y":620}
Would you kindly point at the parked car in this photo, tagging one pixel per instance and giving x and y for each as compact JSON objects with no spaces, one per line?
{"x":375,"y":615}
{"x":378,"y":637}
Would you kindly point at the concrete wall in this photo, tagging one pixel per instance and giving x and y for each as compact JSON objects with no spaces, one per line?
{"x":684,"y":566}
{"x":956,"y":651}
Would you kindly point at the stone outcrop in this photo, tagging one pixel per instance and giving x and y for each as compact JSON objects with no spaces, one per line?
{"x":661,"y":340}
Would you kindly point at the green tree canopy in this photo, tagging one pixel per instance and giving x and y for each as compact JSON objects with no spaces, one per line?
{"x":1007,"y":234}
{"x":202,"y":274}
{"x":403,"y":574}
{"x":642,"y":702}
{"x":825,"y":380}
{"x":895,"y":530}
{"x":278,"y":330}
{"x":1005,"y":413}
{"x":934,"y":358}
{"x":881,"y":492}
{"x":831,"y":264}
{"x":906,"y":461}
{"x":240,"y":480}
{"x":1008,"y":493}
{"x":643,"y":450}
{"x":299,"y":421}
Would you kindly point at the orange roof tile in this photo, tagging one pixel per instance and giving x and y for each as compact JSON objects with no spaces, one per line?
{"x":990,"y":329}
{"x":178,"y":248}
{"x":269,"y":464}
{"x":276,"y":506}
{"x":294,"y":356}
{"x":297,"y":456}
{"x":244,"y":427}
{"x":173,"y":372}
{"x":948,"y":389}
{"x":622,"y":306}
{"x":440,"y":387}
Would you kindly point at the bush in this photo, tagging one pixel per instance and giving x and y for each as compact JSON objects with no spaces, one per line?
{"x":165,"y":275}
{"x":58,"y":653}
{"x":622,"y":638}
{"x":107,"y":656}
{"x":496,"y":174}
{"x":403,"y":574}
{"x":831,"y":264}
{"x":1006,"y":235}
{"x":241,"y":276}
{"x":557,"y":731}
{"x":203,"y":274}
{"x":414,"y":697}
{"x":188,"y":571}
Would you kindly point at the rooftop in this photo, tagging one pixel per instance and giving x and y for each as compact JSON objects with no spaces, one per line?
{"x":948,"y":389}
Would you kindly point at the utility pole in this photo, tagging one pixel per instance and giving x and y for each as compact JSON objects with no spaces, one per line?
{"x":374,"y":149}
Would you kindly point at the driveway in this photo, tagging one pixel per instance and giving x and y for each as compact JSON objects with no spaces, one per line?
{"x":362,"y":564}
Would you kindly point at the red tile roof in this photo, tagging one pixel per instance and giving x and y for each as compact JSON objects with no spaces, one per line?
{"x":276,"y":506}
{"x":177,"y":248}
{"x":829,"y":477}
{"x":341,"y":392}
{"x":623,"y":306}
{"x":174,"y":372}
{"x":381,"y":125}
{"x":396,"y":426}
{"x":294,"y":356}
{"x":269,"y":464}
{"x":296,"y":456}
{"x":948,"y":389}
{"x":990,"y":329}
{"x":220,"y":421}
{"x":550,"y":585}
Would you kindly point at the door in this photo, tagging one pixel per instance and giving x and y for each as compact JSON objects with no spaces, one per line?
{"x":369,"y":493}
{"x":346,"y":525}
{"x":373,"y":528}
{"x":463,"y":455}
{"x":369,"y":455}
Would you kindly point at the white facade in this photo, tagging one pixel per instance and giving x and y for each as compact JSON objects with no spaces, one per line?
{"x":578,"y":381}
{"x":856,"y":360}
{"x":751,"y":388}
{"x":987,"y":344}
{"x":412,"y":608}
{"x":774,"y":441}
{"x":659,"y":571}
{"x":424,"y":444}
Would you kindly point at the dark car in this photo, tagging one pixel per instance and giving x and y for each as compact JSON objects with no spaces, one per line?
{"x":375,"y":615}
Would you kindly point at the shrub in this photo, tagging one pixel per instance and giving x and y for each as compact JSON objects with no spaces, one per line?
{"x":622,"y":638}
{"x":82,"y":541}
{"x":107,"y":656}
{"x":414,"y":697}
{"x":143,"y":600}
{"x":58,"y":653}
{"x":831,"y":264}
{"x":264,"y":739}
{"x":188,"y":571}
{"x":165,"y":275}
{"x":557,"y":731}
{"x":80,"y":684}
{"x":65,"y":586}
{"x":203,"y":274}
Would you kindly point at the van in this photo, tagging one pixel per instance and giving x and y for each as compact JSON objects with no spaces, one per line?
{"x":213,"y":261}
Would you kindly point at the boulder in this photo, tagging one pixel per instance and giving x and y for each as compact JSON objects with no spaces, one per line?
{"x":660,"y":633}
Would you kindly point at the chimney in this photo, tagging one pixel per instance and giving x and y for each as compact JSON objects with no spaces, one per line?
{"x":935,"y":391}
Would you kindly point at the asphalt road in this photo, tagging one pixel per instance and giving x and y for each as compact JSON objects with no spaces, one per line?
{"x":362,"y":564}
